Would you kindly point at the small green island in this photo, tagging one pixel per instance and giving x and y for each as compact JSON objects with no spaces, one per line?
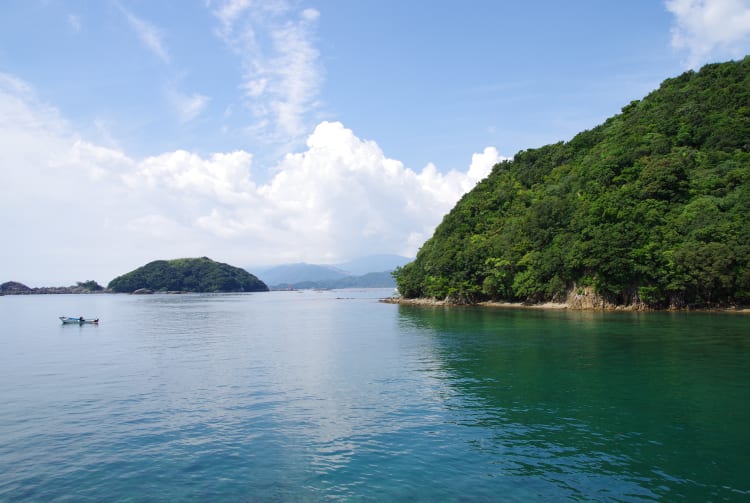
{"x":196,"y":275}
{"x":184,"y":275}
{"x":650,"y":209}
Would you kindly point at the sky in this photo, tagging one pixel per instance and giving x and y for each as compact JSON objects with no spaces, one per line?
{"x":260,"y":133}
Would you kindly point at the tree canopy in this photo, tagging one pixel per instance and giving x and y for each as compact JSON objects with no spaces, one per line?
{"x":650,"y":207}
{"x":188,"y":275}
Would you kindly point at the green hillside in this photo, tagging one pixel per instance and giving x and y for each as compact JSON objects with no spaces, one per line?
{"x":188,"y":275}
{"x":650,"y":208}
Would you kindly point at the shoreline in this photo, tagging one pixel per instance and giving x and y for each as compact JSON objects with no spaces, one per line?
{"x":556,"y":306}
{"x":494,"y":304}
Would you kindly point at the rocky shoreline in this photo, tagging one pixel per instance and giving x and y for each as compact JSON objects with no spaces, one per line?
{"x":16,"y":288}
{"x":448,"y":303}
{"x":575,"y":304}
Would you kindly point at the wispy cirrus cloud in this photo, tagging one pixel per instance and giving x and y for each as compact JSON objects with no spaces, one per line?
{"x":710,"y":29}
{"x":74,"y":21}
{"x":148,"y":34}
{"x":282,"y":74}
{"x":187,"y":106}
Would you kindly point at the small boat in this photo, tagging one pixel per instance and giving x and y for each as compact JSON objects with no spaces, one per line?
{"x":68,"y":320}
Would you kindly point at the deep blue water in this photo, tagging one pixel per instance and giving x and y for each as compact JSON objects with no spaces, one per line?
{"x":310,"y":396}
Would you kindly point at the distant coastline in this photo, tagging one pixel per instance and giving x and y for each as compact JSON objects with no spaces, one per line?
{"x":16,"y":288}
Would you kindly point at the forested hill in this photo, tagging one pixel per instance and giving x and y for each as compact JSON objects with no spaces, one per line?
{"x":188,"y":275}
{"x":651,"y":208}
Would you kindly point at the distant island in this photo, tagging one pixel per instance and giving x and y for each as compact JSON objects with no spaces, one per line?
{"x":187,"y":275}
{"x":650,"y":209}
{"x":205,"y":275}
{"x":16,"y":288}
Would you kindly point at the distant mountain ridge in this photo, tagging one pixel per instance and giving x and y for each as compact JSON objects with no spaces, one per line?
{"x":373,"y":263}
{"x":300,"y":272}
{"x":373,"y":271}
{"x":370,"y":280}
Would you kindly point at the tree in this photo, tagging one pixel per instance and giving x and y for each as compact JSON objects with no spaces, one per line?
{"x":652,"y":206}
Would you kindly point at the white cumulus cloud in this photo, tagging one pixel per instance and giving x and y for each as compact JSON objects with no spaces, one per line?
{"x":84,"y":211}
{"x":710,"y":30}
{"x":339,"y":198}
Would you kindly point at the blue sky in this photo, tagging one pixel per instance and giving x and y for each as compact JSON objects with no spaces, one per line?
{"x":260,"y":133}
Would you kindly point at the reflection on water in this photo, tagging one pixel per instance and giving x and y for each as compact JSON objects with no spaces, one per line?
{"x":637,"y":404}
{"x":308,"y":396}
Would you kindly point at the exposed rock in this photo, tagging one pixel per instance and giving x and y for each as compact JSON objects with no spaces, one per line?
{"x":14,"y":288}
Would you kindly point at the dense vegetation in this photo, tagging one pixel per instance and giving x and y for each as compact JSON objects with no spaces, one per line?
{"x":188,"y":275}
{"x":90,"y":285}
{"x":652,"y":208}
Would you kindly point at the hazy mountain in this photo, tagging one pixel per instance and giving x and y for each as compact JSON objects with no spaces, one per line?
{"x":373,"y":271}
{"x":373,"y":263}
{"x":370,"y":280}
{"x":289,"y":274}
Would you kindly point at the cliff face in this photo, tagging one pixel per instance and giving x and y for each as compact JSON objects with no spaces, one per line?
{"x":648,"y":209}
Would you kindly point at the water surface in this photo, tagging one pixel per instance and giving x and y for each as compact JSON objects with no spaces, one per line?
{"x":310,"y":396}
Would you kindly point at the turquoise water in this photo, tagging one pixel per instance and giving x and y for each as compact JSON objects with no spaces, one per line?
{"x":310,"y":396}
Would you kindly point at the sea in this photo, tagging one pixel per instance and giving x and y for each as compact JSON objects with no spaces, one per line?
{"x":335,"y":396}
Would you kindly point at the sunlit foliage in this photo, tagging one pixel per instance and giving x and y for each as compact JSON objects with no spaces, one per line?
{"x":188,"y":275}
{"x":651,"y":207}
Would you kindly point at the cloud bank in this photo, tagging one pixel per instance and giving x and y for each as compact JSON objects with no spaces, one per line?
{"x":710,"y":30}
{"x":77,"y":210}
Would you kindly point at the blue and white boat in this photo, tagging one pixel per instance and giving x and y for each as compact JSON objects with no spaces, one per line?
{"x":69,"y":320}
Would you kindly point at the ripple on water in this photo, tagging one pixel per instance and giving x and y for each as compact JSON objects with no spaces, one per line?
{"x":306,"y":397}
